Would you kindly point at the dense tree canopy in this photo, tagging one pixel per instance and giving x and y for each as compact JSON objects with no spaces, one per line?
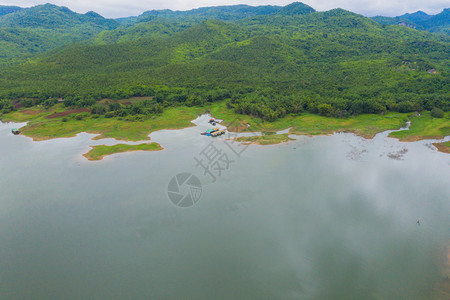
{"x":277,"y":62}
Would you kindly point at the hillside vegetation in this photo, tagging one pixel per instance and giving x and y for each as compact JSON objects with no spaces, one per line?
{"x":276,"y":62}
{"x":439,"y":23}
{"x":29,"y":31}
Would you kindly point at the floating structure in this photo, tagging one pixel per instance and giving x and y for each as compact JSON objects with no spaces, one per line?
{"x":217,"y":133}
{"x":15,"y":131}
{"x":213,"y":132}
{"x":207,"y":132}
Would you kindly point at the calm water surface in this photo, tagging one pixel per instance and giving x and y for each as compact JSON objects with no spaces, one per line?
{"x":331,"y":217}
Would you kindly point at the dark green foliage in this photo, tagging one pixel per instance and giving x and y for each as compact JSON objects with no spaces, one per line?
{"x":437,"y":112}
{"x":6,"y":106}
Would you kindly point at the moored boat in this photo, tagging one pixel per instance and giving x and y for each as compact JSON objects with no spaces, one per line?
{"x":15,"y":131}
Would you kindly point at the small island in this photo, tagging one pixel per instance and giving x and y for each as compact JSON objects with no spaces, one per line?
{"x":266,"y":139}
{"x":99,"y":152}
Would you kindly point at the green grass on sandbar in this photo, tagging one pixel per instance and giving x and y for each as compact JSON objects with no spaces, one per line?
{"x":267,"y":139}
{"x":99,"y":152}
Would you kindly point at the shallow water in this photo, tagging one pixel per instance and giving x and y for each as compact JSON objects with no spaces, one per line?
{"x":329,"y":217}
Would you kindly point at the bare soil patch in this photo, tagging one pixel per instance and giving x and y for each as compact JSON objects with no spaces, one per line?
{"x":443,"y":148}
{"x":68,"y":112}
{"x":31,"y":112}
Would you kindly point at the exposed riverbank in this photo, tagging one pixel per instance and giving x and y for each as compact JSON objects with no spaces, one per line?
{"x":443,"y":147}
{"x":58,"y":122}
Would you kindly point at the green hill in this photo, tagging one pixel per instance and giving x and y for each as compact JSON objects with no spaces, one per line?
{"x":221,"y":13}
{"x":439,"y":23}
{"x":49,"y":16}
{"x":29,"y":31}
{"x":4,"y":10}
{"x":334,"y":63}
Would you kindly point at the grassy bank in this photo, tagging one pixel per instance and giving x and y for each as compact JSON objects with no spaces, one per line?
{"x":267,"y":139}
{"x":47,"y":124}
{"x":99,"y":152}
{"x":425,"y":127}
{"x":42,"y":128}
{"x":367,"y":125}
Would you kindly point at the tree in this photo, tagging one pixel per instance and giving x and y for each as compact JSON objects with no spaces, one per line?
{"x":325,"y":109}
{"x":437,"y":112}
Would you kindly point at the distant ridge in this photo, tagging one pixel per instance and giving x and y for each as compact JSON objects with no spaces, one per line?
{"x":4,"y":10}
{"x":27,"y":31}
{"x":416,"y":17}
{"x":296,"y":8}
{"x":223,"y":13}
{"x":51,"y":16}
{"x":420,"y":20}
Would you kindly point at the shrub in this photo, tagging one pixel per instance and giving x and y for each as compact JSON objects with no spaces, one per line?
{"x":110,"y":114}
{"x":325,"y":109}
{"x":437,"y":112}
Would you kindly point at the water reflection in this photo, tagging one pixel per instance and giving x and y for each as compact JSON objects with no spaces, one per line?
{"x":329,"y":217}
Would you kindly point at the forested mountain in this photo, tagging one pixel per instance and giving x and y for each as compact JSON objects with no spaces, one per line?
{"x":4,"y":10}
{"x":439,"y":23}
{"x":37,"y":29}
{"x":268,"y":65}
{"x":49,"y":16}
{"x":429,"y":21}
{"x":222,"y":13}
{"x":417,"y":17}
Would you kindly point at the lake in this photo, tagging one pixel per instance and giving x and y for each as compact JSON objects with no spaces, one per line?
{"x":326,"y":217}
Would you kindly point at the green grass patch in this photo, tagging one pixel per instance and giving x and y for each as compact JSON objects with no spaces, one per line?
{"x":40,"y":128}
{"x":30,"y":114}
{"x":267,"y":139}
{"x":367,"y":125}
{"x":99,"y":152}
{"x":425,"y":127}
